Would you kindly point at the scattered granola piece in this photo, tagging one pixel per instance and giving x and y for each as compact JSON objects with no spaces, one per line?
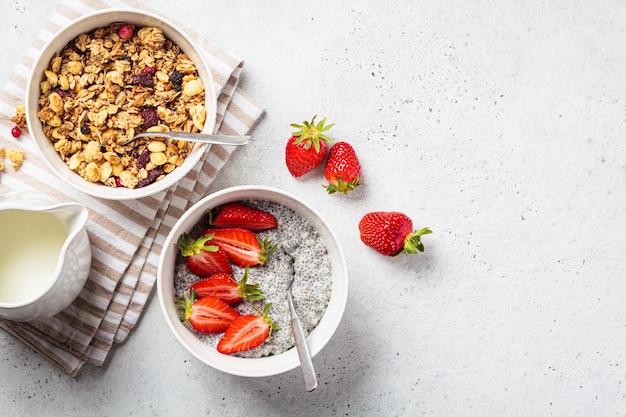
{"x":17,"y":157}
{"x":20,"y":117}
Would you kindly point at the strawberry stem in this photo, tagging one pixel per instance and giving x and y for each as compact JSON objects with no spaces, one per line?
{"x":342,"y":186}
{"x":264,"y":313}
{"x":267,"y":249}
{"x":249,"y":291}
{"x":189,"y":247}
{"x":186,"y":305}
{"x":413,"y":242}
{"x":312,"y":133}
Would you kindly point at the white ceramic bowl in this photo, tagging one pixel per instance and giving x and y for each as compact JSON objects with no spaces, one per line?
{"x":252,"y":367}
{"x":85,"y":24}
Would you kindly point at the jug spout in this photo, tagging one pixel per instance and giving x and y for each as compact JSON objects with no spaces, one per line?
{"x":73,"y":216}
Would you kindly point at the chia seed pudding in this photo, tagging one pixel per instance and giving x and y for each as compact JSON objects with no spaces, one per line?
{"x":301,"y":254}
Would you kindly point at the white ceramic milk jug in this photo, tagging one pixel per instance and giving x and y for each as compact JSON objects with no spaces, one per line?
{"x":45,"y":255}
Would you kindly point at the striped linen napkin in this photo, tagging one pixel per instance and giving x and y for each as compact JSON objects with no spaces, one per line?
{"x":126,"y":236}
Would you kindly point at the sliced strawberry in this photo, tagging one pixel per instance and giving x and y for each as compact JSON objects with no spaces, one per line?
{"x":240,"y":215}
{"x":247,"y":332}
{"x":225,"y":288}
{"x":203,"y":259}
{"x":306,"y":149}
{"x":208,"y":314}
{"x":242,"y":246}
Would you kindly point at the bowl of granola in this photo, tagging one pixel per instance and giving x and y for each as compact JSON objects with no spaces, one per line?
{"x":225,"y":297}
{"x":105,"y":77}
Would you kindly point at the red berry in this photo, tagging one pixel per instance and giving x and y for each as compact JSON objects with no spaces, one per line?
{"x":126,"y":32}
{"x":342,"y":170}
{"x":150,"y":118}
{"x":390,"y":233}
{"x":306,"y":149}
{"x":16,"y":132}
{"x":143,"y":78}
{"x":240,"y":215}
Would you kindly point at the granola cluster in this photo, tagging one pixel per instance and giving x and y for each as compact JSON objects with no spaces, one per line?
{"x":15,"y":156}
{"x":20,"y":117}
{"x":103,"y":88}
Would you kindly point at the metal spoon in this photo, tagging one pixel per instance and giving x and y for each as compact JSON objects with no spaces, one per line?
{"x":310,"y":380}
{"x":194,"y":137}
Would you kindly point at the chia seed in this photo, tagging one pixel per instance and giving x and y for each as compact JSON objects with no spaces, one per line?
{"x":301,"y":254}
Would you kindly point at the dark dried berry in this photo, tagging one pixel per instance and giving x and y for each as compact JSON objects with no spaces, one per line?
{"x":176,"y":78}
{"x":152,"y":176}
{"x":143,"y":79}
{"x":143,"y":159}
{"x":150,"y":118}
{"x":84,"y":129}
{"x":62,"y":93}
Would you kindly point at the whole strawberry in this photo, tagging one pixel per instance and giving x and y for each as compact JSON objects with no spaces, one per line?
{"x":342,"y":170}
{"x":306,"y":149}
{"x":391,"y":233}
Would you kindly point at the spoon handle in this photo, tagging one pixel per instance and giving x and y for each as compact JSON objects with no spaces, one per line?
{"x":306,"y":364}
{"x":308,"y":373}
{"x":198,"y":137}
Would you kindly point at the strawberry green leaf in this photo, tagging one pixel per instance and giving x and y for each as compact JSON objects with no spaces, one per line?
{"x":250,"y":291}
{"x":312,"y":133}
{"x":267,"y":249}
{"x":189,"y":247}
{"x":186,"y":306}
{"x":413,"y":242}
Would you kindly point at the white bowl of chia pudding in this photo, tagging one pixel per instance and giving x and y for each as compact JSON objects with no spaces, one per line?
{"x":307,"y":249}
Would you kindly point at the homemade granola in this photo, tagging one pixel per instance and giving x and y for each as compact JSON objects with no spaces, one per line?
{"x":20,"y":117}
{"x":111,"y":83}
{"x":14,"y":155}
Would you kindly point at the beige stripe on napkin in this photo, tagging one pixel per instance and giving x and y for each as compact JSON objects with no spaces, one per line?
{"x":126,"y":236}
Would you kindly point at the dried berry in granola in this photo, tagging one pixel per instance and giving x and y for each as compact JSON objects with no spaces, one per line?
{"x":143,"y":79}
{"x":152,"y":176}
{"x":176,"y":78}
{"x":150,"y":118}
{"x":143,"y":158}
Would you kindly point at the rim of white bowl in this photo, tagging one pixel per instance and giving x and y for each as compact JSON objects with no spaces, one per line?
{"x":81,"y":25}
{"x":270,"y":365}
